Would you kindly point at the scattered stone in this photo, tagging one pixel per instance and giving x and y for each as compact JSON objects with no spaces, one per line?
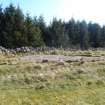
{"x":44,"y":61}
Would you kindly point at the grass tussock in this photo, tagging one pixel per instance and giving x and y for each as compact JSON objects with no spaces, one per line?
{"x":52,"y":83}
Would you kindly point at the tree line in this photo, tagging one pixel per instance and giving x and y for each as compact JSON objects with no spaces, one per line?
{"x":17,"y":30}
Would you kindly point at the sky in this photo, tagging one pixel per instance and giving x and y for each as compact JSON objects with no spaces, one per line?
{"x":89,"y":10}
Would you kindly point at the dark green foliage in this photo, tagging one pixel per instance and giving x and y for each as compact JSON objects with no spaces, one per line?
{"x":17,"y":30}
{"x":71,"y":30}
{"x":95,"y":34}
{"x":40,"y":23}
{"x":102,"y":37}
{"x":32,"y":33}
{"x":84,"y":38}
{"x":58,"y":33}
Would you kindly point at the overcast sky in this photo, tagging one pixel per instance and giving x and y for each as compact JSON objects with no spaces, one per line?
{"x":89,"y":10}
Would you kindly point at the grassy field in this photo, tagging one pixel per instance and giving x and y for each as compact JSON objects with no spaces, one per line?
{"x":52,"y":83}
{"x":94,"y":52}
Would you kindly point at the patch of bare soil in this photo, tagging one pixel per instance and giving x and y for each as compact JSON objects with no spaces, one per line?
{"x":60,"y":58}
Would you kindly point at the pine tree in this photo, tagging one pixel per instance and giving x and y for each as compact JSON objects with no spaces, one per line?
{"x":33,"y":33}
{"x":95,"y":34}
{"x":57,"y":29}
{"x":84,"y":38}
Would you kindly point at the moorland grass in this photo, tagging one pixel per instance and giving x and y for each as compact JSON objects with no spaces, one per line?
{"x":51,"y":83}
